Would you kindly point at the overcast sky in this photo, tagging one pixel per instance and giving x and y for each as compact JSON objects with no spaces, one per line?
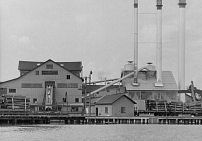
{"x":97,"y":32}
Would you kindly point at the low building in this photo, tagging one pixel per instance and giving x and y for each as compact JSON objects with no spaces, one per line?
{"x":49,"y":85}
{"x":117,"y":105}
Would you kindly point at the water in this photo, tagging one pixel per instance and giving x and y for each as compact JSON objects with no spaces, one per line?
{"x":118,"y":132}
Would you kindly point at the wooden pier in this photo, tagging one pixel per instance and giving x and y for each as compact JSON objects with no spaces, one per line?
{"x":66,"y":119}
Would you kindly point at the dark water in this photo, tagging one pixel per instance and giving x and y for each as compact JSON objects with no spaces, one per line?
{"x":102,"y":133}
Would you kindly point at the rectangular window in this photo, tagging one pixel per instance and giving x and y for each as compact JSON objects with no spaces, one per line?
{"x":75,"y":109}
{"x":34,"y":100}
{"x":31,"y":85}
{"x":123,"y":109}
{"x":76,"y":100}
{"x":49,"y":72}
{"x":49,"y":66}
{"x":106,"y":110}
{"x":12,"y":90}
{"x":68,"y":76}
{"x":72,"y":85}
{"x":3,"y":91}
{"x":37,"y":72}
{"x":62,"y":85}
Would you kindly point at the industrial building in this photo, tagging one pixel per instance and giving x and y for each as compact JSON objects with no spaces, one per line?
{"x":58,"y":85}
{"x":49,"y":85}
{"x":151,"y":82}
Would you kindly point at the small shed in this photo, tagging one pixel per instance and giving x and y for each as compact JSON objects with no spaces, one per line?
{"x":117,"y":105}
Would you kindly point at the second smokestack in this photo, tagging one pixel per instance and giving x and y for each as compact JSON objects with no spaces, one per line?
{"x":135,"y":42}
{"x":159,"y":44}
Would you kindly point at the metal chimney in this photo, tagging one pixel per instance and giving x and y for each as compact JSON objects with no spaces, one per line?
{"x":181,"y":49}
{"x":135,"y":42}
{"x":159,"y":44}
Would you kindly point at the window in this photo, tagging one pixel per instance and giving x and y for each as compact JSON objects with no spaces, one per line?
{"x":106,"y":110}
{"x":31,"y":85}
{"x":76,"y":100}
{"x":72,"y":85}
{"x":159,"y":96}
{"x":68,"y":76}
{"x":123,"y":109}
{"x":49,"y":72}
{"x":49,"y":66}
{"x":62,"y":85}
{"x":12,"y":90}
{"x":34,"y":100}
{"x":37,"y":72}
{"x":3,"y":91}
{"x":75,"y":109}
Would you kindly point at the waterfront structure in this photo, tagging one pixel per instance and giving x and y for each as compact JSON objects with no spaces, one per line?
{"x":147,"y":90}
{"x":50,"y":85}
{"x":117,"y":105}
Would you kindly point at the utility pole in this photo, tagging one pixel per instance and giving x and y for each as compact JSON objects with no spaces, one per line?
{"x":90,"y":95}
{"x":87,"y":80}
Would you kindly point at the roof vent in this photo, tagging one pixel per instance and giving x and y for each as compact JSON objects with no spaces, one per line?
{"x":62,"y":65}
{"x":38,"y":64}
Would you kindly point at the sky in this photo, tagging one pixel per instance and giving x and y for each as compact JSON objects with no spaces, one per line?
{"x":97,"y":32}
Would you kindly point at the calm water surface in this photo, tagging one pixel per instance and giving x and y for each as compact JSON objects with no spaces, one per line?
{"x":102,"y":133}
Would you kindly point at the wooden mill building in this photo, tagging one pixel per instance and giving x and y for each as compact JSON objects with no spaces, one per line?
{"x":49,"y":85}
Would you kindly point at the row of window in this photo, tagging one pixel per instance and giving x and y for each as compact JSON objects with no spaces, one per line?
{"x":59,"y":85}
{"x":52,"y":72}
{"x":67,"y":85}
{"x":123,"y":110}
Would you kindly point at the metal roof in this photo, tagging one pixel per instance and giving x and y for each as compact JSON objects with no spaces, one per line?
{"x":29,"y":65}
{"x":110,"y":99}
{"x":168,"y":80}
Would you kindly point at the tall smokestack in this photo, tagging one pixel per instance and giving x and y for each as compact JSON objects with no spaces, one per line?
{"x":135,"y":42}
{"x":159,"y":44}
{"x":181,"y":49}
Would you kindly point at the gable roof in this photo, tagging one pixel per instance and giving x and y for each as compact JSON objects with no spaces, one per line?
{"x":168,"y":80}
{"x":38,"y":67}
{"x":110,"y":99}
{"x":30,"y":65}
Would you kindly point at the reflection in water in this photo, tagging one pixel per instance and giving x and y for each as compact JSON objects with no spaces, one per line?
{"x":101,"y":133}
{"x":37,"y":128}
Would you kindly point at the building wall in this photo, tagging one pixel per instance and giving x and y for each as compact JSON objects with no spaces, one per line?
{"x":123,"y":102}
{"x":38,"y":93}
{"x":101,"y":110}
{"x":153,"y":95}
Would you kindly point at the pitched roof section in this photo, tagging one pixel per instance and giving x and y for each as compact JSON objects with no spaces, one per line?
{"x":36,"y":68}
{"x":168,"y":80}
{"x":29,"y":65}
{"x":110,"y":99}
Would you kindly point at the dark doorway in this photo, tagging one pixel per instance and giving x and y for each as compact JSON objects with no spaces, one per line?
{"x":96,"y":111}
